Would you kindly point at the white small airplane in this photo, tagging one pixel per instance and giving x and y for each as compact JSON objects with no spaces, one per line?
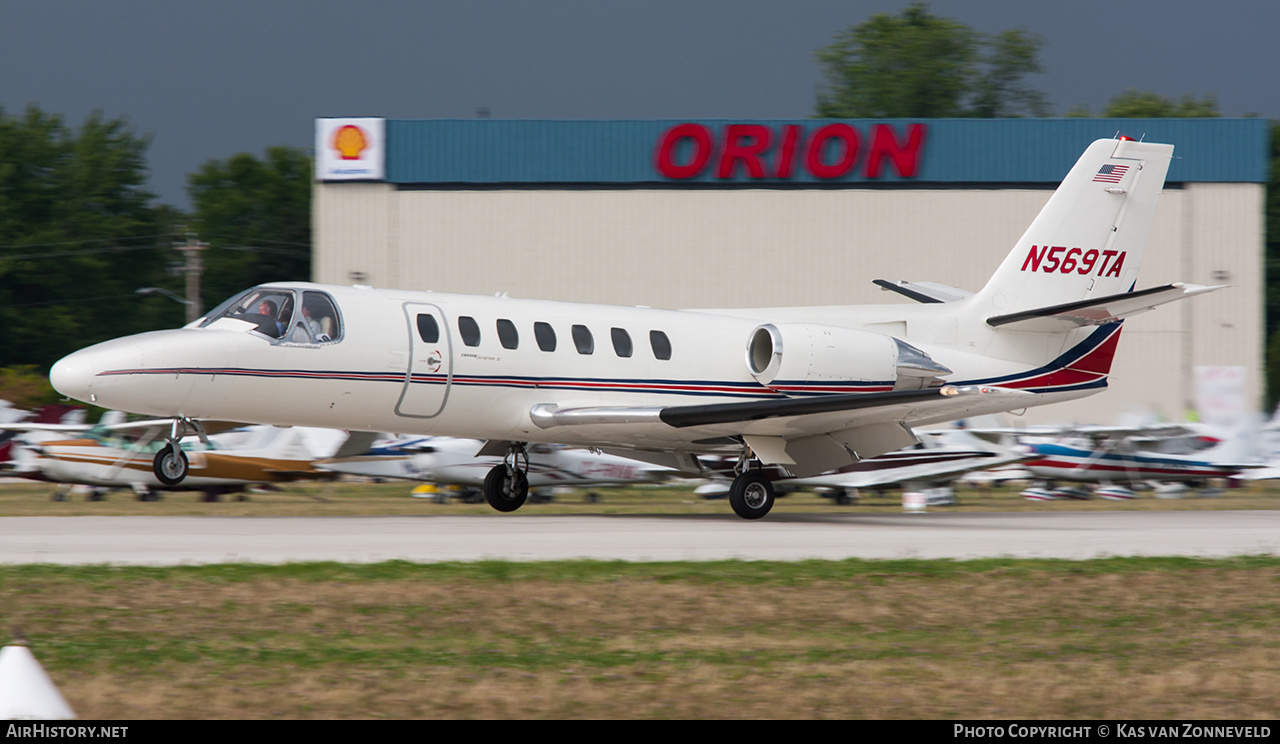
{"x":121,"y":455}
{"x":1113,"y":461}
{"x":1110,"y":465}
{"x":940,"y":458}
{"x":810,"y":389}
{"x":451,"y":461}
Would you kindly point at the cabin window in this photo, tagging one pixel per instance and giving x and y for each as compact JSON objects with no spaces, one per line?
{"x":582,"y":339}
{"x":545,"y":336}
{"x":469,"y":329}
{"x":621,"y":341}
{"x":507,"y":334}
{"x":316,"y":321}
{"x":661,"y":345}
{"x":428,"y":329}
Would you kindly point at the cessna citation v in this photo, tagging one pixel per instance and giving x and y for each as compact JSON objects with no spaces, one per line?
{"x":809,"y":389}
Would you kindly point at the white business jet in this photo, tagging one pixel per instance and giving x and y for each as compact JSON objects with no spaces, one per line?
{"x":810,"y":389}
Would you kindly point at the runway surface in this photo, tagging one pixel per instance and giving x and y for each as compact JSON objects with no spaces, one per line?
{"x":200,"y":540}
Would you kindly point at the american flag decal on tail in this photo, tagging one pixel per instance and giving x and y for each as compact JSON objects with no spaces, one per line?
{"x":1110,"y":173}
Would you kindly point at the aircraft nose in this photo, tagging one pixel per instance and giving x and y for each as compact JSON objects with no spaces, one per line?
{"x":72,"y":376}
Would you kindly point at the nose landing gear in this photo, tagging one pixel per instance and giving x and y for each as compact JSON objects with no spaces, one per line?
{"x":170,"y":464}
{"x":506,"y":487}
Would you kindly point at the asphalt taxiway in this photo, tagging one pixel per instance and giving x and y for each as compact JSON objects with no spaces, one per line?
{"x":202,"y":540}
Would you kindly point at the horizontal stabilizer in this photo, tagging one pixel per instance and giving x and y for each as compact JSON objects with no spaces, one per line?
{"x":1096,"y":311}
{"x":923,"y":291}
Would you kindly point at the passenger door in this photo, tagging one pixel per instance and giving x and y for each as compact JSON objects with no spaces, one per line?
{"x":430,"y":373}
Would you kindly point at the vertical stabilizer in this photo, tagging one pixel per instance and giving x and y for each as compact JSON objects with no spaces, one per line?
{"x":1089,"y":239}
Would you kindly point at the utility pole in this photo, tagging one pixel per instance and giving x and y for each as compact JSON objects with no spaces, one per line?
{"x":193,"y":268}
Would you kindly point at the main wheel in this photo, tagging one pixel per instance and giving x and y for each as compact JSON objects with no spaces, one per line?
{"x":505,"y":491}
{"x":751,"y":495}
{"x":170,"y":465}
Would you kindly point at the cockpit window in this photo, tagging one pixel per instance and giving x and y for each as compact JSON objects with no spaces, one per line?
{"x":277,"y":314}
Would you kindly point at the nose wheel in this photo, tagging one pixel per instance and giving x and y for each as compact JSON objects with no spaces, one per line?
{"x":506,"y":487}
{"x":170,"y":465}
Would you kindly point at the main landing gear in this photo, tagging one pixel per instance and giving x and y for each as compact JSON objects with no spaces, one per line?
{"x":751,"y":495}
{"x":506,"y":487}
{"x":170,"y":464}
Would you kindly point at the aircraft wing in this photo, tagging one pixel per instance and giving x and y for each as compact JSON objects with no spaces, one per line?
{"x":31,"y":426}
{"x":296,"y":475}
{"x":890,"y":474}
{"x":137,"y":427}
{"x":1153,"y":431}
{"x":807,"y":435}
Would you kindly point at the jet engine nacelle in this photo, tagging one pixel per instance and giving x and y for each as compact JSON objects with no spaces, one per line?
{"x":807,"y":352}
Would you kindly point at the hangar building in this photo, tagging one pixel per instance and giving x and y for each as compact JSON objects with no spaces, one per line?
{"x":751,"y":213}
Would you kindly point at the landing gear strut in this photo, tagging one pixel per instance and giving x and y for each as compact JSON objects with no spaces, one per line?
{"x":751,"y":494}
{"x":506,"y":487}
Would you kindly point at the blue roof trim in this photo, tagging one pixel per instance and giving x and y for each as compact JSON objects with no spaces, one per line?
{"x":1004,"y":151}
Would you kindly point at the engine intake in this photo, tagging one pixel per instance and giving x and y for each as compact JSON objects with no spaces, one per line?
{"x":785,"y":354}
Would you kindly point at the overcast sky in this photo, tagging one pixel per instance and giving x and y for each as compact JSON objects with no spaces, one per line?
{"x":207,"y":80}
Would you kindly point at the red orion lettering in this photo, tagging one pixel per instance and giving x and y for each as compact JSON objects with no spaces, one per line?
{"x":1062,"y":260}
{"x":760,"y":152}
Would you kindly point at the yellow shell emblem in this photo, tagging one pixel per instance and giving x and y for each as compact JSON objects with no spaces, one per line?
{"x":350,"y":142}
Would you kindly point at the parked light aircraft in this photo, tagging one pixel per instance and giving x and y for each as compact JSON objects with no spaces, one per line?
{"x":1114,"y":467}
{"x":53,"y":413}
{"x":810,"y":389}
{"x":121,"y":456}
{"x":451,"y":461}
{"x":939,"y":458}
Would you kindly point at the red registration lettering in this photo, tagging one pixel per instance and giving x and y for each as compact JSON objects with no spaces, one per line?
{"x":1069,"y":261}
{"x":1058,"y":258}
{"x":1053,"y":262}
{"x":1115,"y":267}
{"x":1033,"y":258}
{"x":1088,"y":261}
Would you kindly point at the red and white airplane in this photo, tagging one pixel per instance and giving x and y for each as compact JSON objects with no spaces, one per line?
{"x":810,"y":389}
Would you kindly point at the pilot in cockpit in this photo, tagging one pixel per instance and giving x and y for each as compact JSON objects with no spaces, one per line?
{"x":268,"y":308}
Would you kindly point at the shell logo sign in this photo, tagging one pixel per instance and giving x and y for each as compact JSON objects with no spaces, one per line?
{"x":351,"y":149}
{"x":350,"y":141}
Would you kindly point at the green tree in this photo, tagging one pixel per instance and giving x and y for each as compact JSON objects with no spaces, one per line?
{"x":919,"y":65}
{"x":1002,"y":93}
{"x":256,"y":216}
{"x":1273,"y":272}
{"x":77,"y":235}
{"x":1144,"y":104}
